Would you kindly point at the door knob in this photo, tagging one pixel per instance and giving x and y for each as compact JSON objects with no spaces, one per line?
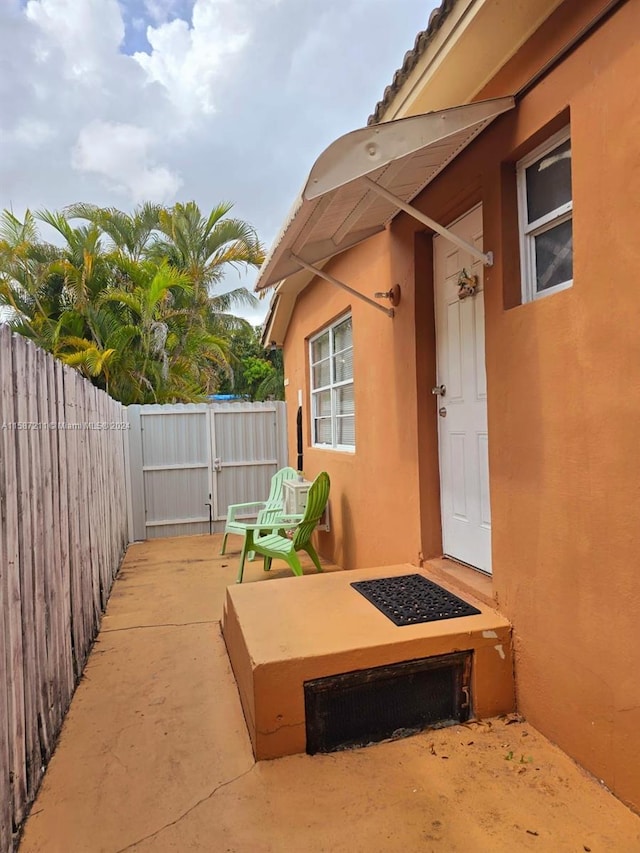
{"x":439,"y":390}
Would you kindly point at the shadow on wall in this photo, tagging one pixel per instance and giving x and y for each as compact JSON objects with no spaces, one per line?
{"x":348,"y":534}
{"x":339,"y":548}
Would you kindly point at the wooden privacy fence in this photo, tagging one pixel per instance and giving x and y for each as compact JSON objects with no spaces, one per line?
{"x":63,"y":531}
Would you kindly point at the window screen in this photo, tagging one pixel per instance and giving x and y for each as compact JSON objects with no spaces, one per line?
{"x":332,"y":400}
{"x":546,"y":218}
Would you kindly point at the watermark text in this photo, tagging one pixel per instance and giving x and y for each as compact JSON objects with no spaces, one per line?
{"x":64,"y":425}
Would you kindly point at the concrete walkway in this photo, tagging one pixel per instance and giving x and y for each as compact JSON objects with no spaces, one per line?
{"x":154,"y":754}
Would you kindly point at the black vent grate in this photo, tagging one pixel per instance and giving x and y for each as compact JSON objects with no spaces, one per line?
{"x":358,"y":708}
{"x":412,"y":599}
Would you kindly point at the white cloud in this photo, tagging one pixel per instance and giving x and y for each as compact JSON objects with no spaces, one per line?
{"x":234,"y":99}
{"x":161,"y":10}
{"x":33,"y":132}
{"x":86,"y":32}
{"x":121,"y":154}
{"x":187,"y":60}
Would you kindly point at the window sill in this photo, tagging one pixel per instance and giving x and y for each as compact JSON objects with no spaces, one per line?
{"x":551,"y":290}
{"x":349,"y":451}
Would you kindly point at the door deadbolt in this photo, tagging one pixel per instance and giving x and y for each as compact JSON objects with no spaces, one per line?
{"x":439,"y":390}
{"x":442,"y":412}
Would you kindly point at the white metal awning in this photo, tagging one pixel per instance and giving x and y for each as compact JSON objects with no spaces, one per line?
{"x":361,"y":181}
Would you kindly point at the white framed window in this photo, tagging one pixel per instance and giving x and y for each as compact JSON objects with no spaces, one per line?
{"x":332,"y":405}
{"x":545,"y":211}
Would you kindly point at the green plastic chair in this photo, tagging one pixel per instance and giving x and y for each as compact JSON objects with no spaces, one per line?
{"x":276,"y":544}
{"x":267,"y":511}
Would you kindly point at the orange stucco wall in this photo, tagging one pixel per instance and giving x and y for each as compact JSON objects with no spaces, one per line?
{"x":374,"y":492}
{"x":563,"y":391}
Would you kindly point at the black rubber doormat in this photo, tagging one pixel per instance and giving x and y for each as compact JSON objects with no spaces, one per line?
{"x":411,"y":599}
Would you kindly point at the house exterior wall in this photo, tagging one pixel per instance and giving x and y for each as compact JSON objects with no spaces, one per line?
{"x":375,"y":500}
{"x":563,"y":378}
{"x":564,"y":404}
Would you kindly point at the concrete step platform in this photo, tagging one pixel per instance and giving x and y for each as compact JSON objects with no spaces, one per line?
{"x":281,"y":634}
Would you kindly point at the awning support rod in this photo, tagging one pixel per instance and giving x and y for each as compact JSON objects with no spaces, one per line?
{"x":486,"y":258}
{"x":327,"y":277}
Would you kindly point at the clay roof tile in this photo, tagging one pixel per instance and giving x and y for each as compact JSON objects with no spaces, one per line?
{"x":411,"y":57}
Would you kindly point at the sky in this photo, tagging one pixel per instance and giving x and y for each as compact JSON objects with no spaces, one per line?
{"x":116,"y":102}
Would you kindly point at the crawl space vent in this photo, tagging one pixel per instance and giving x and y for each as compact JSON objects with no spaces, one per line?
{"x":359,"y":708}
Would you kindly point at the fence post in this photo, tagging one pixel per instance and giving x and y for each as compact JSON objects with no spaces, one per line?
{"x":136,"y":476}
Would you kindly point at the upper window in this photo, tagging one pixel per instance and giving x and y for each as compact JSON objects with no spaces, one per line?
{"x":332,"y":409}
{"x":545,"y":207}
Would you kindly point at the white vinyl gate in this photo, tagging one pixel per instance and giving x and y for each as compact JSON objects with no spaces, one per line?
{"x":189,"y":462}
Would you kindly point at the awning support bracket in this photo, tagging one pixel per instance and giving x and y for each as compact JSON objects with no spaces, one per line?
{"x":335,"y":281}
{"x":485,"y":257}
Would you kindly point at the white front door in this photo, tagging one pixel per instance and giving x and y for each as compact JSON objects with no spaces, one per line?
{"x":462,"y":403}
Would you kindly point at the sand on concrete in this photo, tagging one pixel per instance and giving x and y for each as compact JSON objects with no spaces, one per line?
{"x":154,"y":754}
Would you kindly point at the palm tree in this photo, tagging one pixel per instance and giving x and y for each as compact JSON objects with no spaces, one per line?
{"x":128,"y":299}
{"x":204,"y":248}
{"x":176,"y":360}
{"x":32,"y":279}
{"x":20,"y":279}
{"x":129,"y":234}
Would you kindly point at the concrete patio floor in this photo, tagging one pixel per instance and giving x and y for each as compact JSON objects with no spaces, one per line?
{"x":154,"y":754}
